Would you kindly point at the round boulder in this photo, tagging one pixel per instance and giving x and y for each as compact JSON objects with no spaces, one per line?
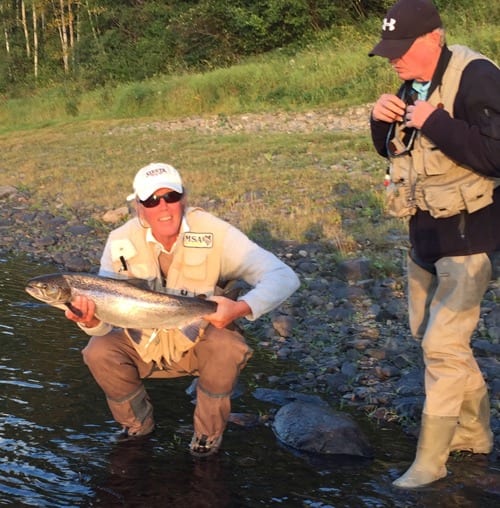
{"x":319,"y":429}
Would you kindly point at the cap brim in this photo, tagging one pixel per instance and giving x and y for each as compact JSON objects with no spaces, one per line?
{"x":145,"y":193}
{"x":391,"y":49}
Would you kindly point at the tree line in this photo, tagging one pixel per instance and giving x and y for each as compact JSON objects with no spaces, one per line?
{"x":100,"y":41}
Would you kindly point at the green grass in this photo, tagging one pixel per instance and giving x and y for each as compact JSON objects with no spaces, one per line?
{"x":67,"y":147}
{"x":322,"y":187}
{"x":334,"y":72}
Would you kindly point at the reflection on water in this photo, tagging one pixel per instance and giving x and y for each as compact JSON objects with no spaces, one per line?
{"x":55,"y":437}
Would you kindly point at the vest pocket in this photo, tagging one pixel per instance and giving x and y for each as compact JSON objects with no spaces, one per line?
{"x":434,"y":162}
{"x":443,"y":201}
{"x":141,"y":271}
{"x":477,"y":194}
{"x":446,"y":201}
{"x":195,"y":264}
{"x":398,"y":202}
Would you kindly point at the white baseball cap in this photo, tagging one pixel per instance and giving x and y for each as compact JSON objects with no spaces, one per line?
{"x":152,"y":177}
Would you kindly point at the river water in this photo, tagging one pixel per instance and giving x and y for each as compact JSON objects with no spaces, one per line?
{"x":57,"y":448}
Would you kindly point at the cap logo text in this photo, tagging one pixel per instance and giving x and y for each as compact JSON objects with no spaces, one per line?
{"x":389,"y":24}
{"x":156,"y":172}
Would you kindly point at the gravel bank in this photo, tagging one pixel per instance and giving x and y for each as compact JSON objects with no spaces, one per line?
{"x":345,"y":331}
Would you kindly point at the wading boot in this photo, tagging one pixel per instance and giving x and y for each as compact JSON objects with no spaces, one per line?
{"x":202,"y":446}
{"x":135,"y":414}
{"x":433,"y":448}
{"x":473,"y":432}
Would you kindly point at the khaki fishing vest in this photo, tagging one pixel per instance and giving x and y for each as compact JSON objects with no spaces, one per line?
{"x":428,"y":179}
{"x":194,"y":270}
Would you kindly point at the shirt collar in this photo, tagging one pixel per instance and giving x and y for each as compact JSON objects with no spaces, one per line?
{"x":151,"y":239}
{"x":421,"y":89}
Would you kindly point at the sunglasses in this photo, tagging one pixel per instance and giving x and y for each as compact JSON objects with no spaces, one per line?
{"x":154,"y":200}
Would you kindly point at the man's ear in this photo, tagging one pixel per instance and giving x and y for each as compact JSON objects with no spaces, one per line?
{"x":435,"y":37}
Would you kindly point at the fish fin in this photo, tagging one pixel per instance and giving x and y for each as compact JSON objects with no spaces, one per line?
{"x":138,"y":283}
{"x":73,"y":309}
{"x":232,"y":289}
{"x":152,"y":337}
{"x":194,"y":330}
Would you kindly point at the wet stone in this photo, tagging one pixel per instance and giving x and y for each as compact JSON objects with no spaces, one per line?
{"x":411,"y":383}
{"x":77,"y":264}
{"x":58,"y":221}
{"x":379,"y":354}
{"x":318,"y":429}
{"x":355,"y":269}
{"x":349,"y":369}
{"x":45,"y":241}
{"x":485,"y":347}
{"x":387,"y":371}
{"x":283,"y":325}
{"x":79,"y":230}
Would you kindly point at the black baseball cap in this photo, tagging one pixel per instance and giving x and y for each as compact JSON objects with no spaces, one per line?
{"x":404,"y":22}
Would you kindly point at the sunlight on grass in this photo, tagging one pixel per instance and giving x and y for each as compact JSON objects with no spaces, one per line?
{"x":334,"y":72}
{"x":292,"y":187}
{"x":69,"y":148}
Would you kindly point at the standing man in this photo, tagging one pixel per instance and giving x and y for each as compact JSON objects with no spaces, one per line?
{"x":186,"y":251}
{"x":441,"y":134}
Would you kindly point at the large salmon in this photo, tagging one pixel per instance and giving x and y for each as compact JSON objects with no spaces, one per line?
{"x":119,"y":302}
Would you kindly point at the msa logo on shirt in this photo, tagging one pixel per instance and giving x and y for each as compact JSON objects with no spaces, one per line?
{"x":202,"y":240}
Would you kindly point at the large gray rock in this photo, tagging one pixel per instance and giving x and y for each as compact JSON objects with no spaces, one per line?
{"x":282,"y":397}
{"x":317,"y":428}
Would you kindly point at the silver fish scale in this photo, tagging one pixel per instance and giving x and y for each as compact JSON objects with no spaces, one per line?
{"x":122,"y":304}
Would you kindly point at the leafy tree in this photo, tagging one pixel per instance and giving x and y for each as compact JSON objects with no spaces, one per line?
{"x":98,"y":41}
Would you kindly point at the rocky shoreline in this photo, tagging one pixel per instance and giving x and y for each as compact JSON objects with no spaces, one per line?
{"x":345,"y":331}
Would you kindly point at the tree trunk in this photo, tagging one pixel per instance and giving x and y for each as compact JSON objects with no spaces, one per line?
{"x":35,"y":41}
{"x":5,"y":30}
{"x":63,"y":35}
{"x":25,"y":29}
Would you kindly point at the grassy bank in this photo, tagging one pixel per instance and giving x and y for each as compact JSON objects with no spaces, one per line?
{"x":317,"y":187}
{"x":65,"y":146}
{"x":333,"y":72}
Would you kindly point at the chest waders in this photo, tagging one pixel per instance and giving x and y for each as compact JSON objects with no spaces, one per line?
{"x":444,"y":307}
